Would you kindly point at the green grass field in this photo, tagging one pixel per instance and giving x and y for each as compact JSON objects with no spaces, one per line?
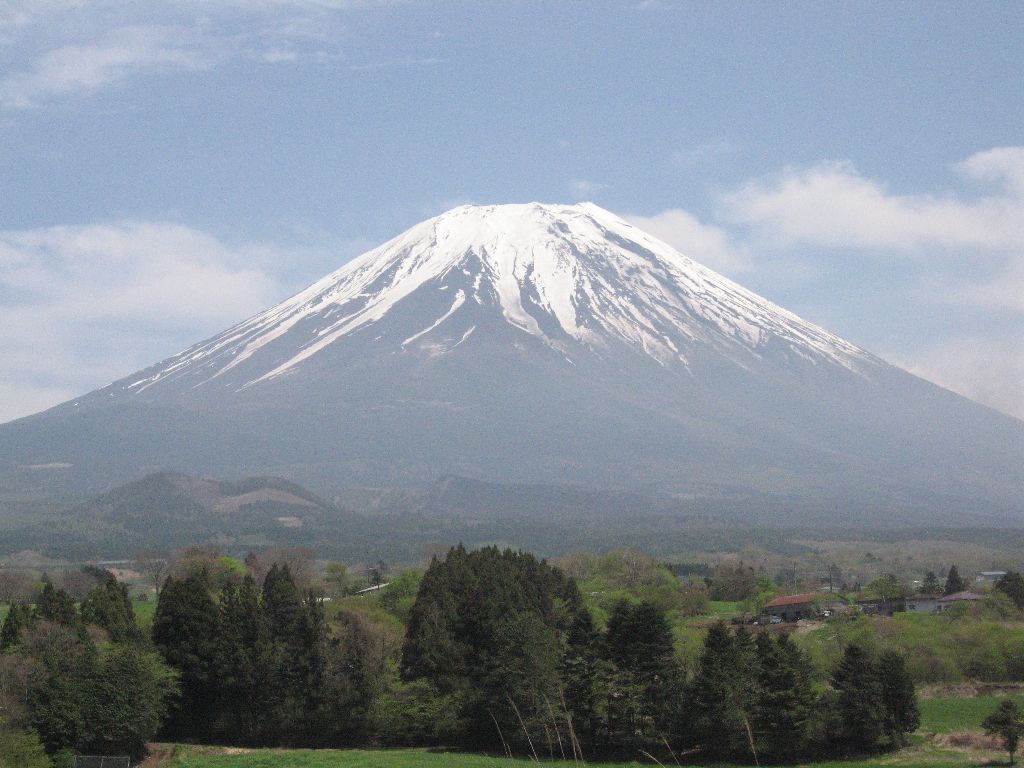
{"x":191,"y":757}
{"x":918,"y":756}
{"x":938,"y":715}
{"x":144,"y":610}
{"x":945,"y":715}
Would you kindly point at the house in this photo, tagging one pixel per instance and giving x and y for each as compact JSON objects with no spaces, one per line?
{"x":922,"y":604}
{"x":947,"y":602}
{"x":881,"y":606}
{"x":805,"y":606}
{"x":989,"y":577}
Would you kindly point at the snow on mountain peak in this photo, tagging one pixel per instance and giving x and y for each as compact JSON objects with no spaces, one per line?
{"x":571,"y":276}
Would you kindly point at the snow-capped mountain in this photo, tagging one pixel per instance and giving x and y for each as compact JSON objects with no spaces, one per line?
{"x":541,"y":343}
{"x":576,"y":278}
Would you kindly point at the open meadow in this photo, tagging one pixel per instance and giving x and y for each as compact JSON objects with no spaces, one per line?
{"x":917,"y":756}
{"x":950,"y":735}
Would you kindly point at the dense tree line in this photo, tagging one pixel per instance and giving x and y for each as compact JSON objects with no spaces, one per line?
{"x":79,"y":679}
{"x":258,"y":665}
{"x":499,"y":653}
{"x":507,"y":640}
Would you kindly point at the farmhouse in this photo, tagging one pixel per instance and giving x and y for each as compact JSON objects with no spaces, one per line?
{"x":805,"y":606}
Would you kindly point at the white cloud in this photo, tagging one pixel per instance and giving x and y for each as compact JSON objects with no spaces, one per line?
{"x":82,"y":69}
{"x":1001,"y":165}
{"x":833,"y":205}
{"x":18,"y":400}
{"x":972,"y":247}
{"x":55,"y":50}
{"x":82,"y":306}
{"x":960,"y":256}
{"x":986,"y":370}
{"x":705,"y":243}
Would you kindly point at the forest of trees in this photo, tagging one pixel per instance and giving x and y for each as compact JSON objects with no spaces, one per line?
{"x":499,"y":653}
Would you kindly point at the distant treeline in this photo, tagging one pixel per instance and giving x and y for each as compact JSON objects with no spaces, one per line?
{"x":499,"y":654}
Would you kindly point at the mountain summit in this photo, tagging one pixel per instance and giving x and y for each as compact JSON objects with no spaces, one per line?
{"x":551,"y":344}
{"x":575,"y":278}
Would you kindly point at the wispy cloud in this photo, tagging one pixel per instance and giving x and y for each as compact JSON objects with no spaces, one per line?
{"x":83,"y":305}
{"x":708,"y":244}
{"x":833,"y":205}
{"x":985,"y":369}
{"x":82,"y":69}
{"x":58,"y":50}
{"x":962,"y":252}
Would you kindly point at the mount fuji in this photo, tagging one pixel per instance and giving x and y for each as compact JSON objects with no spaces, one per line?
{"x":541,"y":344}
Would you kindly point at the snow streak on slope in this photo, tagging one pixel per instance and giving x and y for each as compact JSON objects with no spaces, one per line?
{"x":588,"y":277}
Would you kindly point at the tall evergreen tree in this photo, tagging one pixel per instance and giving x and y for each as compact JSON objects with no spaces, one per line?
{"x":56,"y":605}
{"x":282,"y":604}
{"x":930,"y":585}
{"x":17,"y":619}
{"x":243,"y":661}
{"x":722,"y":694}
{"x":954,"y":582}
{"x":296,"y":633}
{"x":108,"y":606}
{"x":859,"y":700}
{"x":638,"y":644}
{"x":186,"y":631}
{"x":785,"y":698}
{"x":456,"y":630}
{"x":579,"y":671}
{"x":899,"y":698}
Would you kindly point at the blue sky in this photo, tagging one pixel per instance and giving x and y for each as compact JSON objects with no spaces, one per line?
{"x":166,"y":170}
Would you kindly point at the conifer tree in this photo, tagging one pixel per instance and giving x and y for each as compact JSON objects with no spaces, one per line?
{"x":296,"y":633}
{"x":722,"y":694}
{"x":859,"y":703}
{"x":579,"y":669}
{"x":282,"y":604}
{"x":785,"y":697}
{"x":457,"y":624}
{"x":954,"y":582}
{"x":186,"y":631}
{"x":242,"y":658}
{"x":898,"y":696}
{"x":14,"y":623}
{"x":57,"y":606}
{"x":638,"y":643}
{"x":108,"y":606}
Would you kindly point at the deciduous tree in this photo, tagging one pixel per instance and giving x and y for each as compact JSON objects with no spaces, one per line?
{"x":1007,"y":722}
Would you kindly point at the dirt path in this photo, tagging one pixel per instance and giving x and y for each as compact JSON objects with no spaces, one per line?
{"x":157,"y":755}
